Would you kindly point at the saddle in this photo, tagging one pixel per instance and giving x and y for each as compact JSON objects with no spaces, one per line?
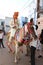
{"x":26,"y":39}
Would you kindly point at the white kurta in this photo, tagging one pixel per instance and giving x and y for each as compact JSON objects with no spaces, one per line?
{"x":12,"y":33}
{"x":13,"y":30}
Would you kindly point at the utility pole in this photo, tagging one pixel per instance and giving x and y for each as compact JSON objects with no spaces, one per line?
{"x":38,"y":8}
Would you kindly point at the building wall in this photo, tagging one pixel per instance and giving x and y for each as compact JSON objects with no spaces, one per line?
{"x":40,"y":26}
{"x":7,"y":23}
{"x":40,"y":19}
{"x":2,"y":20}
{"x":41,"y":2}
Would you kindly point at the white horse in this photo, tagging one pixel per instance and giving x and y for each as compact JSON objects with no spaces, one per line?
{"x":18,"y":41}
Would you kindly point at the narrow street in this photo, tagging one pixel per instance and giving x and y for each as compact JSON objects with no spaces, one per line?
{"x":7,"y":58}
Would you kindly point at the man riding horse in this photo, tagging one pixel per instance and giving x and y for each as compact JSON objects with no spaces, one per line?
{"x":14,"y":26}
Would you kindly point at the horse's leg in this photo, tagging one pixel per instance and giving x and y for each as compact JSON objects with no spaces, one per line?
{"x":16,"y":50}
{"x":21,"y":48}
{"x":10,"y":47}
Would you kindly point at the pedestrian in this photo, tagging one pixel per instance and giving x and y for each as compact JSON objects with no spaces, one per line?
{"x":39,"y":46}
{"x":29,"y":24}
{"x":33,"y":44}
{"x":41,"y":43}
{"x":1,"y":38}
{"x":41,"y":37}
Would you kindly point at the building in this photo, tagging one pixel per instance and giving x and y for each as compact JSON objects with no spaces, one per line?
{"x":2,"y":22}
{"x":39,"y":8}
{"x":40,"y":15}
{"x":7,"y":23}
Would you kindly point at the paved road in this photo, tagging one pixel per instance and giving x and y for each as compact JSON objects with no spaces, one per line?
{"x":7,"y":58}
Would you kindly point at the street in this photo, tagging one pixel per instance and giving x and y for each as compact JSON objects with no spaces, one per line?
{"x":7,"y":58}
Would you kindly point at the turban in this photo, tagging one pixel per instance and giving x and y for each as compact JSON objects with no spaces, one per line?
{"x":15,"y":15}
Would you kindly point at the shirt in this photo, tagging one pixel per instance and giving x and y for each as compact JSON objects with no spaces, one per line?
{"x":28,"y":27}
{"x":13,"y":24}
{"x":34,"y":42}
{"x":1,"y":35}
{"x":25,"y":29}
{"x":12,"y":32}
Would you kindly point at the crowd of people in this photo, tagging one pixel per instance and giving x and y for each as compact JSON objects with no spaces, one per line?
{"x":26,"y":35}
